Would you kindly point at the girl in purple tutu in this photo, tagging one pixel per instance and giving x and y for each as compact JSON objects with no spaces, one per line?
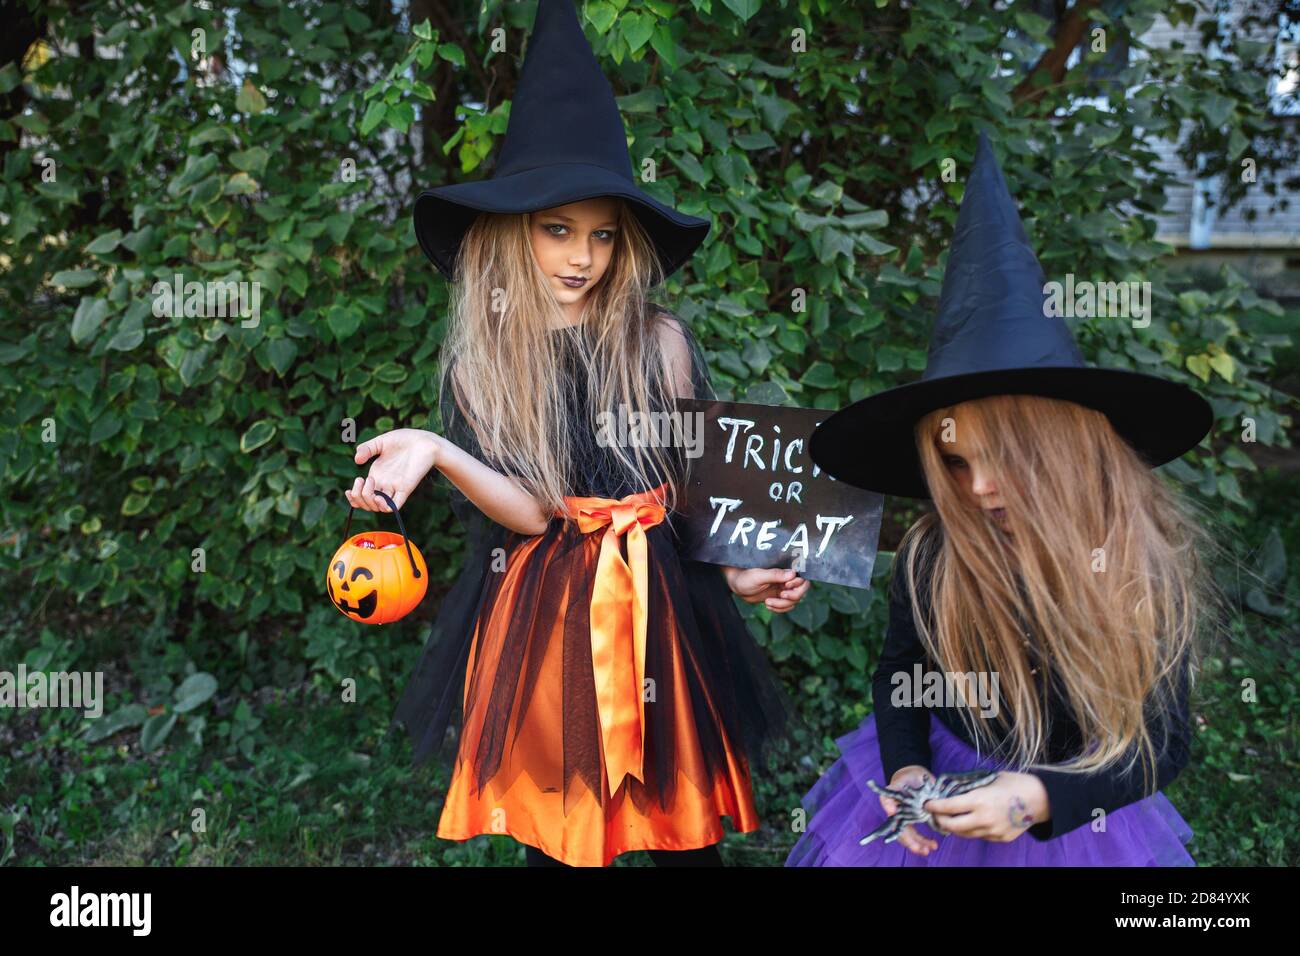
{"x":1042,"y":619}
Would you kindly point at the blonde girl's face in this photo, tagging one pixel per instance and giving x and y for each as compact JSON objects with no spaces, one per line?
{"x":969,"y":468}
{"x":573,"y":245}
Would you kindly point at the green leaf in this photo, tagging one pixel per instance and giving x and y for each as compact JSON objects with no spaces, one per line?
{"x":375,"y":113}
{"x":194,"y":691}
{"x":251,"y":160}
{"x":662,"y":42}
{"x":820,"y":375}
{"x":312,"y":512}
{"x":343,"y":322}
{"x":156,"y":730}
{"x":752,"y":141}
{"x":390,"y":372}
{"x":130,"y":333}
{"x":452,"y":54}
{"x":104,"y":243}
{"x":1272,"y":559}
{"x":689,"y":165}
{"x":766,"y":393}
{"x":637,"y":28}
{"x":12,"y":353}
{"x":281,"y":352}
{"x":1223,"y":363}
{"x":105,"y":427}
{"x":257,"y":436}
{"x":192,"y":363}
{"x":601,"y":15}
{"x":338,"y":225}
{"x":132,"y":715}
{"x":743,"y":8}
{"x":9,"y":77}
{"x":271,"y":68}
{"x":75,"y":278}
{"x":731,"y":170}
{"x":89,"y":317}
{"x":240,"y":184}
{"x":1216,"y":109}
{"x":874,"y":247}
{"x":210,"y":134}
{"x":889,"y":358}
{"x":871,"y":219}
{"x":996,"y":95}
{"x":250,"y":99}
{"x":422,"y":30}
{"x":828,"y":243}
{"x":400,"y":116}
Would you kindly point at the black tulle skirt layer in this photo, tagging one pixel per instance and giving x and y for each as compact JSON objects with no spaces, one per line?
{"x":509,"y":661}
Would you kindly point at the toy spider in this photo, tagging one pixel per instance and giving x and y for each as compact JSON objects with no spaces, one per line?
{"x":911,"y":800}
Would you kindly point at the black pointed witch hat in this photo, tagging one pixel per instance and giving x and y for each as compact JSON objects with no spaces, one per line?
{"x":993,"y":336}
{"x":565,"y":142}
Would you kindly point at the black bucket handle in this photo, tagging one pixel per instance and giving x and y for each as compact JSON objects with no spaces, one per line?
{"x":400,"y":527}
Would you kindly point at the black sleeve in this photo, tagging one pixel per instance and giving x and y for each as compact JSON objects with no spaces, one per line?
{"x":481,"y":532}
{"x":904,"y":732}
{"x":455,"y":427}
{"x":1073,"y":798}
{"x":701,"y":387}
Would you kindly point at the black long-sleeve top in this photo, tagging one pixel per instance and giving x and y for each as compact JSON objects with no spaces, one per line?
{"x":904,"y":732}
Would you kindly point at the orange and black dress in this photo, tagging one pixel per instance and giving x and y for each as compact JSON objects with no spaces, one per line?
{"x":609,"y":695}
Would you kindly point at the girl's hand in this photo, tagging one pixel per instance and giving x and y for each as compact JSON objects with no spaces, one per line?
{"x":999,"y":812}
{"x":406,"y":455}
{"x":779,"y":588}
{"x":910,"y":838}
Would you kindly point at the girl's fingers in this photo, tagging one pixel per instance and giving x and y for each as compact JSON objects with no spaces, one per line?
{"x":916,"y":843}
{"x":924,"y":842}
{"x":962,"y":825}
{"x":792,"y":592}
{"x":354,"y":494}
{"x":950,"y":805}
{"x":778,"y":606}
{"x":368,"y":493}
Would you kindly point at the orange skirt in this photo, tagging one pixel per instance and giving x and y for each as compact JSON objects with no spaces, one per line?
{"x":531,"y":761}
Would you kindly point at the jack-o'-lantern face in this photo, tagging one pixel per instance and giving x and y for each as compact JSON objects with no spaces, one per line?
{"x":346,"y":596}
{"x":371,"y":578}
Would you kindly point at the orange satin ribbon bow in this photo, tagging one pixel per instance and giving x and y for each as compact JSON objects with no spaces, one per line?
{"x":618,"y":623}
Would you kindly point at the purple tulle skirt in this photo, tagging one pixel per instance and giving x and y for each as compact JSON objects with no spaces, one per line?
{"x":841,"y":811}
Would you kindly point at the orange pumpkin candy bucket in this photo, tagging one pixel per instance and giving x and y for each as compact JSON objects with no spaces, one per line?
{"x":371,"y":579}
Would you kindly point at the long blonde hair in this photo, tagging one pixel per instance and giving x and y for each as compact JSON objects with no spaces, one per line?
{"x":1101,"y":569}
{"x":503,"y":361}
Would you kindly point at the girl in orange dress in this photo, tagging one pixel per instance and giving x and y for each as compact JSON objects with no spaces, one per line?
{"x":609,"y":695}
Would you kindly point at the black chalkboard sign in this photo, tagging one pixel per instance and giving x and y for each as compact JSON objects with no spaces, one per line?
{"x":756,"y":500}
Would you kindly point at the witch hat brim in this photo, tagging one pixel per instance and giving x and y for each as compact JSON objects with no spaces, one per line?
{"x":872,"y":443}
{"x":443,"y":215}
{"x":565,"y":142}
{"x":995,"y":335}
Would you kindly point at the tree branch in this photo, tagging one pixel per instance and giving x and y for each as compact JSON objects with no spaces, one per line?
{"x":1069,"y":32}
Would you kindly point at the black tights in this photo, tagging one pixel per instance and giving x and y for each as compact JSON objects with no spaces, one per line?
{"x":704,"y":856}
